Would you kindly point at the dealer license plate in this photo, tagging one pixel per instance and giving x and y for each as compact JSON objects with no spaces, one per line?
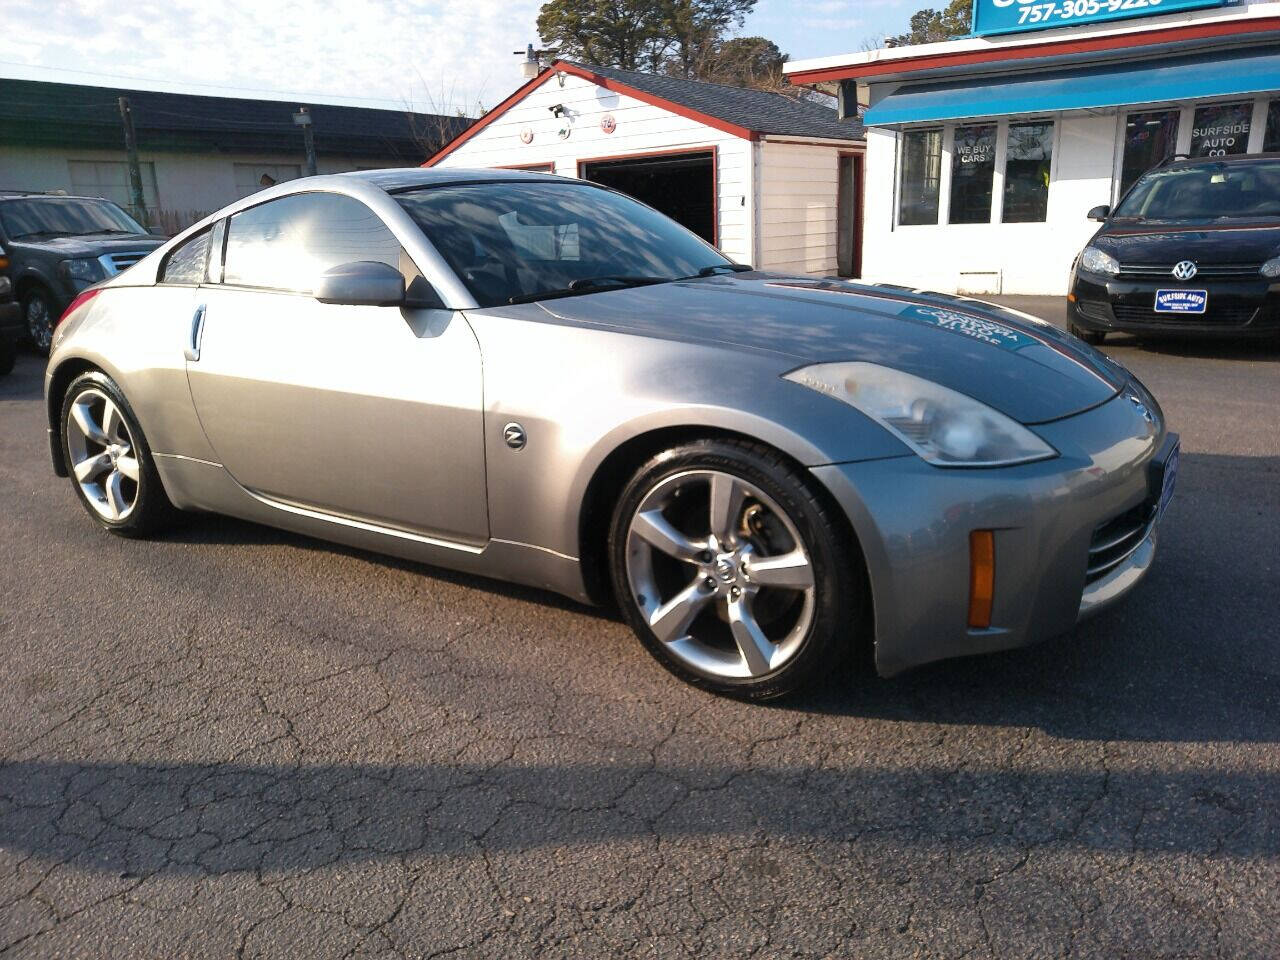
{"x":1181,"y":301}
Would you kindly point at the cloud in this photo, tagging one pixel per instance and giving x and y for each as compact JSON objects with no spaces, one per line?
{"x":424,"y":52}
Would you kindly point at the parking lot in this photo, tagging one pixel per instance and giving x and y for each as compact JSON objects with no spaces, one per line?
{"x":238,"y":742}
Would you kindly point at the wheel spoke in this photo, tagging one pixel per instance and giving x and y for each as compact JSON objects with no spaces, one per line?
{"x":654,"y":529}
{"x":129,"y":467}
{"x":727,"y":498}
{"x":116,"y":503}
{"x":84,"y":422}
{"x":90,"y":467}
{"x":788,"y":570}
{"x":110,"y":420}
{"x":755,"y":647}
{"x":671,"y":620}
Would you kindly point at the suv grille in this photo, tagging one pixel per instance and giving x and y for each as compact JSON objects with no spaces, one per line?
{"x":1114,"y":541}
{"x":116,"y":262}
{"x":1205,"y":271}
{"x":1229,"y":316}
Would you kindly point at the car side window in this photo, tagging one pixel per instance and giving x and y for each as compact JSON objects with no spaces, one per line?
{"x":287,"y":244}
{"x":186,"y":263}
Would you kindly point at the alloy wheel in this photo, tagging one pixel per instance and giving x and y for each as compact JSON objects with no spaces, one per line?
{"x":104,"y":461}
{"x":39,"y":322}
{"x":720,"y":574}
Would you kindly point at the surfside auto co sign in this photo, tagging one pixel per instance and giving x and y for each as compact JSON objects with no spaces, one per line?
{"x":1016,"y":16}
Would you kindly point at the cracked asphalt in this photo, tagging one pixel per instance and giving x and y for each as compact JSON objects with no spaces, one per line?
{"x":234,"y":742}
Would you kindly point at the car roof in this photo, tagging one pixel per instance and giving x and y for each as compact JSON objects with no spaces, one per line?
{"x":1237,"y":159}
{"x":395,"y":179}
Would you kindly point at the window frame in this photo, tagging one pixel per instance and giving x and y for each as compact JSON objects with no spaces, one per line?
{"x":204,"y":266}
{"x":944,"y":175}
{"x":1054,"y":122}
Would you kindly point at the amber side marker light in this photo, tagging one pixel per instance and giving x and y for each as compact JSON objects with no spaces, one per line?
{"x":982,"y":577}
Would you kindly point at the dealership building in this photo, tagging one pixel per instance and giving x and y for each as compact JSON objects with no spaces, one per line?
{"x":984,"y":154}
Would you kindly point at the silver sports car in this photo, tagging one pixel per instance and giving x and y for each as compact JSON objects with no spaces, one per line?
{"x":542,"y":380}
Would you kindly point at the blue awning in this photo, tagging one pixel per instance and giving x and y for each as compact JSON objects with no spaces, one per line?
{"x":1215,"y":74}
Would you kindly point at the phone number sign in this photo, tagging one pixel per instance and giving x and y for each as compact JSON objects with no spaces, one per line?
{"x":1015,"y":16}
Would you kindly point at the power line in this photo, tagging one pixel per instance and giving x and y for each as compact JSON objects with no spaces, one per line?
{"x":290,"y":94}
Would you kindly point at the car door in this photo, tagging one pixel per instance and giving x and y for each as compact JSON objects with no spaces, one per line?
{"x":372,"y":413}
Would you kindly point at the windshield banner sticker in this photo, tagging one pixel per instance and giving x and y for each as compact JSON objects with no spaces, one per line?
{"x":978,"y":328}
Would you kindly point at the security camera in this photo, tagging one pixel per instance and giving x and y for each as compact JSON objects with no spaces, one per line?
{"x":558,"y":110}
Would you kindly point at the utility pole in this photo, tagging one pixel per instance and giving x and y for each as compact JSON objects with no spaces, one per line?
{"x":303,"y":119}
{"x":136,"y":197}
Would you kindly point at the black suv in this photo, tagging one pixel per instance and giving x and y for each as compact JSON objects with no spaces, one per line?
{"x":59,"y":245}
{"x":1192,"y":248}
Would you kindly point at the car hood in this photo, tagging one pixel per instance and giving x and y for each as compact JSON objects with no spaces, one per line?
{"x":1025,"y":368}
{"x":91,"y":246}
{"x":1217,"y":242}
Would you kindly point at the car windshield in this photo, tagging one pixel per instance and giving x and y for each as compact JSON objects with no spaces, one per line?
{"x":64,"y":217}
{"x":516,"y":241}
{"x":1210,"y":192}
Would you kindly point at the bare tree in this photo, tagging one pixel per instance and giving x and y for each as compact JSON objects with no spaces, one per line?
{"x":442,"y":115}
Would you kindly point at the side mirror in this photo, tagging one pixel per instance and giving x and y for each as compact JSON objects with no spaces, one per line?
{"x":1100,"y":212}
{"x":361,"y":283}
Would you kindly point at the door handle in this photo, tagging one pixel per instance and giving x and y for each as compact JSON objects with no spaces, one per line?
{"x":192,"y":352}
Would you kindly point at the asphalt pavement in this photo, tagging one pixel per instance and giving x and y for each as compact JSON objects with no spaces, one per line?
{"x":235,"y":742}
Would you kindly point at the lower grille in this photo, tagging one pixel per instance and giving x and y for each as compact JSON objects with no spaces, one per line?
{"x":1114,"y":541}
{"x":1094,"y":310}
{"x":1228,"y":316}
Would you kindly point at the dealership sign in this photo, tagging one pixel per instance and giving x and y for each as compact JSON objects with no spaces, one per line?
{"x":1015,"y":16}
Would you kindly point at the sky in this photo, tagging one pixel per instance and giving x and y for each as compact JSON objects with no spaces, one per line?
{"x":427,"y":55}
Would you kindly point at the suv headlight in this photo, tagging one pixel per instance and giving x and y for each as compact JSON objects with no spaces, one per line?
{"x":946,"y":428}
{"x":89,"y":271}
{"x":1095,"y":261}
{"x":1271,"y":269}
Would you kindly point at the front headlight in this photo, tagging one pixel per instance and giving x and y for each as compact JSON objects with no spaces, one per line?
{"x":1095,"y":261}
{"x":90,"y":271}
{"x":946,"y":428}
{"x":1271,"y":269}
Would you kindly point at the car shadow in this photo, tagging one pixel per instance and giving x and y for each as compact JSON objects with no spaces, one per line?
{"x":1264,"y":349}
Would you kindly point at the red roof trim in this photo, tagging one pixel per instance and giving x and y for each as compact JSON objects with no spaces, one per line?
{"x":607,"y":83}
{"x":1047,"y":49}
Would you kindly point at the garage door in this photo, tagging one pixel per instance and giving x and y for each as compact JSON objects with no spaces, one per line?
{"x":683,"y":186}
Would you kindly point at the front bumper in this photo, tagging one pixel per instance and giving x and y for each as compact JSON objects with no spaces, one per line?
{"x":913,"y":522}
{"x":1236,"y":308}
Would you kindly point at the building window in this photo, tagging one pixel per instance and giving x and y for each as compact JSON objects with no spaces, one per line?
{"x":1028,"y":158}
{"x":973,"y":167}
{"x":1221,"y":129}
{"x":252,"y":177}
{"x":1271,"y":141}
{"x":1148,"y":139}
{"x":109,"y":179}
{"x":921,"y":176}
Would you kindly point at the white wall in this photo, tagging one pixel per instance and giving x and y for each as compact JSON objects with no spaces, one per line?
{"x":798,"y":192}
{"x":1014,"y":258}
{"x":641,"y":128}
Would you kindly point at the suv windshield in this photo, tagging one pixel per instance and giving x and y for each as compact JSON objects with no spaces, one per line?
{"x":64,"y":217}
{"x":1211,"y":191}
{"x":526,"y":240}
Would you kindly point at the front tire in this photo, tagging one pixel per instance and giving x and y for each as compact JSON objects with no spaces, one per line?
{"x":1094,"y":337}
{"x":37,"y":311}
{"x":732,"y":570}
{"x":107,"y":457}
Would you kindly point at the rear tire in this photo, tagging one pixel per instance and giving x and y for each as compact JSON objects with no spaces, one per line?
{"x":108,"y":459}
{"x":1094,"y":337}
{"x":732,"y":571}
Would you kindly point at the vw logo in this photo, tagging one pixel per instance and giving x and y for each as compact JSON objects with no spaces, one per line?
{"x":1184,"y":270}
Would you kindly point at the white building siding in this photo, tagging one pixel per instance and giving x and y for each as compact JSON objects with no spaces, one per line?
{"x":1012,"y":258}
{"x":641,"y":128}
{"x":799,"y":185}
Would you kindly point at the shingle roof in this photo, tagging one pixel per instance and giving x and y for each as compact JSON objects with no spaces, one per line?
{"x":756,"y":110}
{"x":37,"y":113}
